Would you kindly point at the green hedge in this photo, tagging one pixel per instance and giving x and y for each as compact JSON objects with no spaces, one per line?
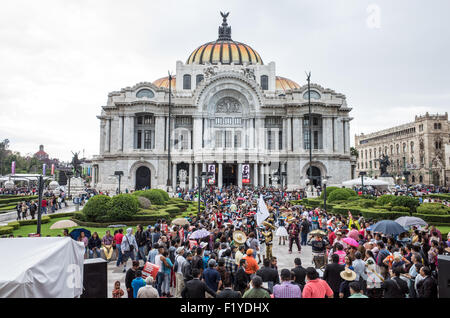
{"x":434,"y":218}
{"x":6,"y":230}
{"x":314,"y":202}
{"x":156,"y":197}
{"x":385,"y":199}
{"x":44,"y":219}
{"x":433,"y":208}
{"x":122,"y":207}
{"x":14,"y":224}
{"x":369,"y":213}
{"x":96,"y":207}
{"x":442,"y":196}
{"x":328,"y":190}
{"x":339,"y":194}
{"x":8,"y":207}
{"x":400,"y":209}
{"x":17,"y":199}
{"x":61,"y":215}
{"x":173,"y":210}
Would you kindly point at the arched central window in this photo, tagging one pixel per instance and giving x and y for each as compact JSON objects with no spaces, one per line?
{"x":314,"y":95}
{"x":144,"y":131}
{"x":145,"y":93}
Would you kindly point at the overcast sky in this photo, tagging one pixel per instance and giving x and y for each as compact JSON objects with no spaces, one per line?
{"x":59,"y":59}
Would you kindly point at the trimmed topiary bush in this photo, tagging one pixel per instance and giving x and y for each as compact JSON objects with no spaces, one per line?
{"x":123,"y":207}
{"x":144,"y":203}
{"x":15,"y":225}
{"x":44,"y":219}
{"x":96,"y":207}
{"x":406,"y":201}
{"x":400,"y":209}
{"x":366,"y":203}
{"x":350,"y":191}
{"x":156,"y":197}
{"x":385,"y":199}
{"x":328,"y":190}
{"x":339,"y":194}
{"x":173,"y":210}
{"x":6,"y":230}
{"x":433,"y":208}
{"x":164,"y":194}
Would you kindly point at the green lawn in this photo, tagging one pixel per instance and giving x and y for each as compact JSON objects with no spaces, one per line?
{"x":45,"y":229}
{"x":444,"y":229}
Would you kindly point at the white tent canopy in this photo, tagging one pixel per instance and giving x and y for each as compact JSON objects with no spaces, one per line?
{"x":367,"y":182}
{"x":41,"y":267}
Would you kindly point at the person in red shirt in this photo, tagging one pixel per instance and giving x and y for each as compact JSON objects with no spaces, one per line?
{"x":316,"y":287}
{"x":331,"y":235}
{"x":44,"y":206}
{"x":118,"y":241}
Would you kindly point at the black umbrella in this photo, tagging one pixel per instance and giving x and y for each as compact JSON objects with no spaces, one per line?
{"x":76,"y":233}
{"x":388,"y":227}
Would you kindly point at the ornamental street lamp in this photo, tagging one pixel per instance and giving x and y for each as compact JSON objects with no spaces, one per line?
{"x":362,"y":174}
{"x":308,"y":77}
{"x":169,"y":131}
{"x":119,"y":174}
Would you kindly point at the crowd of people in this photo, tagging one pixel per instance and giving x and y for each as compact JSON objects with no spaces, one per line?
{"x":348,"y":259}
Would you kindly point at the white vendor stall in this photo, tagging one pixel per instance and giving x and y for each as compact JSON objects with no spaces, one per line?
{"x":41,"y":267}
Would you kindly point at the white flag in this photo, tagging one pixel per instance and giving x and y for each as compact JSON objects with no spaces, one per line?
{"x":263,"y":212}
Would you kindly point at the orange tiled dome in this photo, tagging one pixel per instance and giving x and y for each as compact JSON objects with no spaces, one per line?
{"x":284,"y":84}
{"x":164,"y":82}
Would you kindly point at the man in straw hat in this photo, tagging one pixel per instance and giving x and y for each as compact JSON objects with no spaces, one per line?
{"x":268,"y":235}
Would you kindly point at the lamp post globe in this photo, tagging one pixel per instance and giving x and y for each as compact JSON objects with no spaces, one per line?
{"x":53,"y":185}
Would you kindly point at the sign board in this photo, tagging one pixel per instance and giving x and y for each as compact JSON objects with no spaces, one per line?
{"x":212,"y":170}
{"x":150,"y":269}
{"x":412,"y":166}
{"x":245,"y":173}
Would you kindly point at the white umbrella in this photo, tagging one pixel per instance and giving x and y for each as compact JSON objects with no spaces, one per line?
{"x":367,"y":182}
{"x":63,"y":224}
{"x":409,"y":221}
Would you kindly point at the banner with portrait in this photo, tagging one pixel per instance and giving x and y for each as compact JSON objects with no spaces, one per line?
{"x":245,"y":173}
{"x":212,"y":171}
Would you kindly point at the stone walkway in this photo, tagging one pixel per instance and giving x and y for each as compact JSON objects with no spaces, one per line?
{"x":285,"y":260}
{"x":7,"y":217}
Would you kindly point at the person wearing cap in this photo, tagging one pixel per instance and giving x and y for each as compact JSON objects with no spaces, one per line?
{"x":179,"y":262}
{"x":252,"y":265}
{"x":286,"y":289}
{"x":148,"y":291}
{"x":212,"y":276}
{"x":348,"y":276}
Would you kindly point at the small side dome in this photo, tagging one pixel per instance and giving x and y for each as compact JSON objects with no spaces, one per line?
{"x":284,"y":84}
{"x":163,"y":82}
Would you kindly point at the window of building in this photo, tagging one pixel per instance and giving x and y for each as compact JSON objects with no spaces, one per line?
{"x":316,"y":121}
{"x":186,"y":81}
{"x":392,"y":150}
{"x":139,"y":139}
{"x":145,"y":93}
{"x":412,"y":147}
{"x":375,"y":153}
{"x":148,"y":139}
{"x":306,"y":139}
{"x":316,"y":139}
{"x":144,"y":131}
{"x":404,"y":147}
{"x":237,"y":139}
{"x":264,"y":82}
{"x":370,"y":153}
{"x":280,"y":140}
{"x":370,"y":164}
{"x":314,"y":95}
{"x":375,"y":164}
{"x":218,"y":141}
{"x":228,"y":135}
{"x":421,"y":127}
{"x":420,"y":179}
{"x":397,"y":146}
{"x":198,"y":79}
{"x":362,"y":154}
{"x":413,"y":179}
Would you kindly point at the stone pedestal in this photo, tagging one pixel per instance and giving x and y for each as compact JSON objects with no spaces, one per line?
{"x":311,"y":192}
{"x":76,"y":186}
{"x":389,"y":180}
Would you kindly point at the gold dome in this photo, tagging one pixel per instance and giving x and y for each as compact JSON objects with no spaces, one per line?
{"x":282,"y":83}
{"x":164,"y":82}
{"x":224,"y":52}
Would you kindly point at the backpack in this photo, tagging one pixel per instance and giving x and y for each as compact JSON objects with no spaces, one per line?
{"x":175,"y":265}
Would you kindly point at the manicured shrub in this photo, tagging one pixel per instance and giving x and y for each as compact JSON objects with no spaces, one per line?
{"x":434,"y":218}
{"x":6,"y":230}
{"x":173,"y":210}
{"x":354,"y":198}
{"x":406,"y":201}
{"x":15,"y":225}
{"x":339,"y":194}
{"x":144,"y":202}
{"x":400,"y":209}
{"x":433,"y":208}
{"x":60,"y":215}
{"x":328,"y":190}
{"x":385,"y":199}
{"x":123,"y":207}
{"x":44,"y":219}
{"x":156,"y":197}
{"x":350,"y":191}
{"x":366,"y":203}
{"x":96,"y":207}
{"x":164,"y":194}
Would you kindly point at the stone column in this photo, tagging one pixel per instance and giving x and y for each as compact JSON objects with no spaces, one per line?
{"x":266,"y":174}
{"x":108,"y":135}
{"x":191,"y":177}
{"x":261,"y":175}
{"x":220,"y":175}
{"x":197,"y":131}
{"x":159,"y":132}
{"x":240,"y":175}
{"x":255,"y":174}
{"x":204,"y":168}
{"x":297,"y":132}
{"x":102,"y":136}
{"x":195,"y":174}
{"x":128,"y":133}
{"x":347,"y":137}
{"x":288,"y":135}
{"x":120,"y":134}
{"x":174,"y":176}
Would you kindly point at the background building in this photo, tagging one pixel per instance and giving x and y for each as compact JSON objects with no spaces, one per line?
{"x":229,"y":110}
{"x":420,"y":148}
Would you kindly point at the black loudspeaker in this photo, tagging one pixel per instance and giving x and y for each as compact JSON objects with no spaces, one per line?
{"x":444,"y":276}
{"x":95,"y":278}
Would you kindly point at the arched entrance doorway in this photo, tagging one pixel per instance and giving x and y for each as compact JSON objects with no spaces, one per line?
{"x":316,"y":179}
{"x":142,"y":178}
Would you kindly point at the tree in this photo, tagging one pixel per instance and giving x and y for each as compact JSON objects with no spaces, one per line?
{"x":354,"y":152}
{"x":3,"y":153}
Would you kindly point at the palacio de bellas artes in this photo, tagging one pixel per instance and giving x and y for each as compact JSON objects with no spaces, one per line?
{"x":229,"y":111}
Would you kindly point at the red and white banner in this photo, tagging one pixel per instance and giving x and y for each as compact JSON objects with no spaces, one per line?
{"x":53,"y":169}
{"x":150,"y":269}
{"x":245,"y":173}
{"x":192,"y":244}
